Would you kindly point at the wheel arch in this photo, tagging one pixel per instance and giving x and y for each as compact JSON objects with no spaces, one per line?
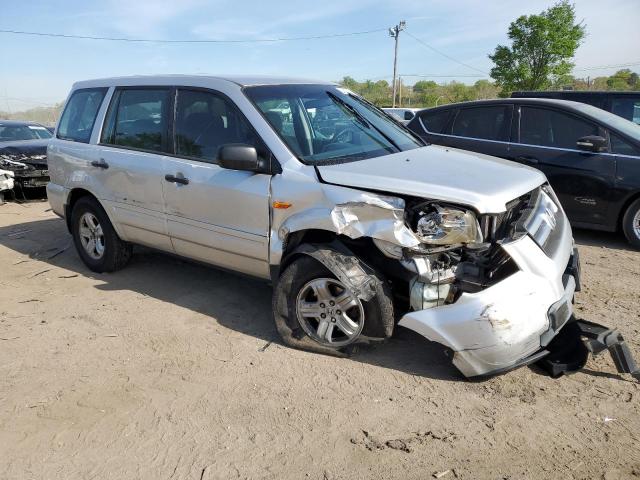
{"x":307,"y":236}
{"x":625,"y":206}
{"x":76,"y":194}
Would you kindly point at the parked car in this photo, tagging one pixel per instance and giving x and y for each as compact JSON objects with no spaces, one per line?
{"x":12,"y":130}
{"x":405,"y":115}
{"x":356,"y":227}
{"x":591,"y":157}
{"x":6,"y":183}
{"x":27,"y":159}
{"x":623,"y":104}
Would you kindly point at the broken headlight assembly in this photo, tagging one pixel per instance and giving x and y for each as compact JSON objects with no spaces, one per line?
{"x":437,"y":224}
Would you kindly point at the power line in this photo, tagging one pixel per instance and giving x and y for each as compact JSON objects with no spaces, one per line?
{"x":445,"y":55}
{"x":603,"y":67}
{"x":149,"y":40}
{"x":436,"y":75}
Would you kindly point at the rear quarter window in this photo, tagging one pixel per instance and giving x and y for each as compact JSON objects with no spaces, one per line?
{"x":435,"y":122}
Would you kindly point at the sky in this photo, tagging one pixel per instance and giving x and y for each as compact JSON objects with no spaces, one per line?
{"x":40,"y":70}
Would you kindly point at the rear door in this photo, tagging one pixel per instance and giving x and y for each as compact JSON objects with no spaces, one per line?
{"x":214,"y":214}
{"x":132,"y":147}
{"x":584,"y":181}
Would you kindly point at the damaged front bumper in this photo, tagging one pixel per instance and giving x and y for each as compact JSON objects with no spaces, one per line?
{"x":507,"y":324}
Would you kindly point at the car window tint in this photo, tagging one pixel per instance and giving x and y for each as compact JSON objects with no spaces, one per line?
{"x":205,"y":121}
{"x":627,"y":107}
{"x":435,"y":122}
{"x":621,"y":147}
{"x":76,"y":122}
{"x":481,"y":122}
{"x":140,"y":120}
{"x":550,"y":128}
{"x":10,"y":133}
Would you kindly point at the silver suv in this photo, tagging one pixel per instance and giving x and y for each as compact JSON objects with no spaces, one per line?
{"x":359,"y":225}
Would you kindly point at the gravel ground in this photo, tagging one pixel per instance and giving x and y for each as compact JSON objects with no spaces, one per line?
{"x":171,"y":370}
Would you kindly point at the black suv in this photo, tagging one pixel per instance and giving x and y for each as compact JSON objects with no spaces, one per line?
{"x":591,"y":157}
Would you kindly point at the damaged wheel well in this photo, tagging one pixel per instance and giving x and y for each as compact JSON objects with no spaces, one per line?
{"x":315,"y":236}
{"x":75,"y":195}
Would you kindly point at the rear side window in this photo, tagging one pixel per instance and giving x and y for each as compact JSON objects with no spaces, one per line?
{"x":488,"y":123}
{"x":79,"y":116}
{"x":138,"y":119}
{"x":205,"y":121}
{"x":550,"y":128}
{"x":435,"y":122}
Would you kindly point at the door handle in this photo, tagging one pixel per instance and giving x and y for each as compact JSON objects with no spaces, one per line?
{"x":527,"y":159}
{"x":174,"y":179}
{"x":100,"y":164}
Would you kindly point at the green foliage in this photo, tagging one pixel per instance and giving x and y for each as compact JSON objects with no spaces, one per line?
{"x":542,"y":47}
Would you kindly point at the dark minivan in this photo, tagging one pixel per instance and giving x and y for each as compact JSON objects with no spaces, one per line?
{"x":591,"y":157}
{"x":623,"y":104}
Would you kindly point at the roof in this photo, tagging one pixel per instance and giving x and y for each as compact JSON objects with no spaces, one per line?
{"x":241,"y":80}
{"x":508,"y":101}
{"x":594,"y":93}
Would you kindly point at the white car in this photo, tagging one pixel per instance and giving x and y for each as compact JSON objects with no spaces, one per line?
{"x":360,"y":226}
{"x":6,"y":183}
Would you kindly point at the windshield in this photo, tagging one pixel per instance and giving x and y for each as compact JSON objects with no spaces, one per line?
{"x":622,"y":124}
{"x":325,"y":124}
{"x":10,"y":133}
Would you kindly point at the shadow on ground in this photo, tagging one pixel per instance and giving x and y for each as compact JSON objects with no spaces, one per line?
{"x":212,"y":292}
{"x":594,"y":238}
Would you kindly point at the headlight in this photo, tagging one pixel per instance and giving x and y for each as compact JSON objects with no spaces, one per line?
{"x":440,"y":225}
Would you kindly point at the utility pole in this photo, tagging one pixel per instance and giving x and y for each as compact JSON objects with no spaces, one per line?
{"x":394,"y":33}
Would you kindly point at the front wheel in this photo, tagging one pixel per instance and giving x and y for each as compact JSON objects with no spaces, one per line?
{"x":631,"y":224}
{"x":315,"y":311}
{"x":95,"y":239}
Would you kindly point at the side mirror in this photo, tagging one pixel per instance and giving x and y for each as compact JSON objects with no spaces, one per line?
{"x":592,"y":143}
{"x":238,"y":156}
{"x":408,"y":115}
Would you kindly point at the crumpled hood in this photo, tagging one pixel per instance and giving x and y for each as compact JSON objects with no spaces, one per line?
{"x":30,"y":152}
{"x":479,"y":181}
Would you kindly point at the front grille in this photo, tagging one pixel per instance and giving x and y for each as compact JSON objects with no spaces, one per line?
{"x":537,"y":214}
{"x":499,"y":227}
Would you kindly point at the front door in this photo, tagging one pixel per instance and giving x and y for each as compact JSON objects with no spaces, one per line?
{"x":216,"y":215}
{"x":583,"y":181}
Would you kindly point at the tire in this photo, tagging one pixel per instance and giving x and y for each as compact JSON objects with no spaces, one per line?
{"x":374,"y":318}
{"x":89,"y":222}
{"x":631,"y":224}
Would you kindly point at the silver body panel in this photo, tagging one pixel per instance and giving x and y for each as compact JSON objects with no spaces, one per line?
{"x":225,"y":217}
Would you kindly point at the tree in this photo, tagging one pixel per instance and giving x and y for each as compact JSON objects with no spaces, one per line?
{"x":423,"y":86}
{"x":542,"y":47}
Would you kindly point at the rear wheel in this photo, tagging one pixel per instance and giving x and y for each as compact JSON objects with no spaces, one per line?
{"x":631,"y":224}
{"x":95,"y":239}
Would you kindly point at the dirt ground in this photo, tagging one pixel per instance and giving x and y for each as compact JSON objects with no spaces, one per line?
{"x":172,"y":370}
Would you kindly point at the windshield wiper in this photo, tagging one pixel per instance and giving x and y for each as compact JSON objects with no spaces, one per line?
{"x":363,"y":120}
